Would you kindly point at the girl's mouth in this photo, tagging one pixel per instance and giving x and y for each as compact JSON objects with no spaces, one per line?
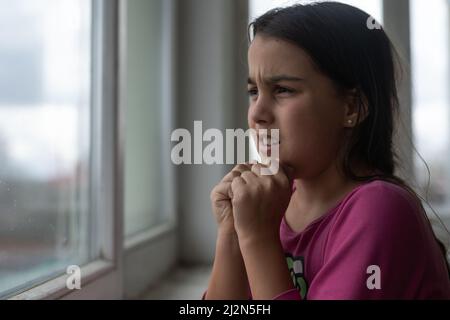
{"x":268,"y":141}
{"x":267,"y":144}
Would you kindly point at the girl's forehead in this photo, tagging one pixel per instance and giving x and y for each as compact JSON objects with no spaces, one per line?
{"x":270,"y":56}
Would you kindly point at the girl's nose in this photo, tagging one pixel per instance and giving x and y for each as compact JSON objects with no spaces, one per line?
{"x":260,"y":111}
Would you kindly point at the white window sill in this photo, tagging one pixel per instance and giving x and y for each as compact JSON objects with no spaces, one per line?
{"x":57,"y":288}
{"x":142,"y":238}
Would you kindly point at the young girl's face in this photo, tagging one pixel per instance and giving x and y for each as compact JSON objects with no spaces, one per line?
{"x":288,"y":93}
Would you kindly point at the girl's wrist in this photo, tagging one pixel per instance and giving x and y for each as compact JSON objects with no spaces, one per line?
{"x":228,"y":238}
{"x":226,"y":232}
{"x":258,"y":240}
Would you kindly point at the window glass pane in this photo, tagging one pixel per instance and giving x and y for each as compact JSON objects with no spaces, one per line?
{"x":44,"y":138}
{"x":430,"y":27}
{"x":372,"y":7}
{"x":143,"y":164}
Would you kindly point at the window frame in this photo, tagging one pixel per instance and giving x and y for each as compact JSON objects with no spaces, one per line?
{"x":101,"y":277}
{"x":169,"y":217}
{"x":160,"y":239}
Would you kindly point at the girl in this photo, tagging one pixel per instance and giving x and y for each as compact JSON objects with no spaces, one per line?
{"x":349,"y":228}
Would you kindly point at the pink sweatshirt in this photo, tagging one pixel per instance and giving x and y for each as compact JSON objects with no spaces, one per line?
{"x":374,"y":244}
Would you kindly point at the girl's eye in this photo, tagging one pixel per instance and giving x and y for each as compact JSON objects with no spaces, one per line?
{"x":253,"y":92}
{"x":283,"y":90}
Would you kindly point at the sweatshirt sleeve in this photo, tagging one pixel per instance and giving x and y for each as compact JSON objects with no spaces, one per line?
{"x":288,"y":295}
{"x":379,"y":247}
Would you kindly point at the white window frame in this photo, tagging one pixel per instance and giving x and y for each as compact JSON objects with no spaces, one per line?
{"x":167,"y":122}
{"x":156,"y":246}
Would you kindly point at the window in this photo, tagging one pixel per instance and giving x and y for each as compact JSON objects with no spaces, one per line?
{"x":69,"y":71}
{"x":45,"y":140}
{"x":259,"y":7}
{"x":430,"y":25}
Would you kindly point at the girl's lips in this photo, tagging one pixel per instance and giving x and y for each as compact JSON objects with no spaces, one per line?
{"x":268,"y":141}
{"x":265,"y":149}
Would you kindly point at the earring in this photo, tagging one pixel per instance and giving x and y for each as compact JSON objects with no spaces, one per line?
{"x":350,"y":122}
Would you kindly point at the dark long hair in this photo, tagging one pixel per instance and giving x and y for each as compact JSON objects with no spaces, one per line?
{"x":356,"y":54}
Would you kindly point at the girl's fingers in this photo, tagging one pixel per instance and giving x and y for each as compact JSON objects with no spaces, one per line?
{"x":231,"y":175}
{"x":242,"y":167}
{"x":284,"y":172}
{"x":223,"y":189}
{"x":249,"y":177}
{"x":237,"y":182}
{"x":237,"y":171}
{"x":256,"y":169}
{"x":248,"y":174}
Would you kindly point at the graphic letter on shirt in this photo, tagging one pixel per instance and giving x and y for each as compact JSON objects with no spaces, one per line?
{"x":296,"y":268}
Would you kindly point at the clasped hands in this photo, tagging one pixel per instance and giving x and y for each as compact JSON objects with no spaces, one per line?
{"x":250,"y":204}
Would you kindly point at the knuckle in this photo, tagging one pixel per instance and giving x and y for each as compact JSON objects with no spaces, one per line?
{"x":241,"y":195}
{"x":236,"y":179}
{"x":231,"y":175}
{"x":256,"y":168}
{"x":246,"y":174}
{"x":235,"y":174}
{"x":241,"y":167}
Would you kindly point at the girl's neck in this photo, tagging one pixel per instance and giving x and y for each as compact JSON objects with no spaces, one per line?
{"x":314,"y":197}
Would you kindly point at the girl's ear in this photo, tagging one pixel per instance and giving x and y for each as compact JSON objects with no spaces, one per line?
{"x":356,"y":108}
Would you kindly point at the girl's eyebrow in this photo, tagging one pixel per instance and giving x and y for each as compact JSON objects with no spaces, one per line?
{"x":276,"y":79}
